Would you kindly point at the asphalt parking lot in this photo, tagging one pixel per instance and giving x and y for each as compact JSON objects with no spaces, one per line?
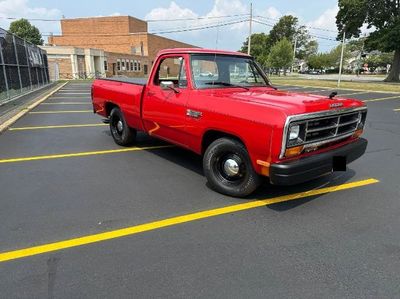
{"x":84,"y":218}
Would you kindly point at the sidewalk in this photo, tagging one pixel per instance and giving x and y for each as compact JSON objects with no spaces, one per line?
{"x":23,"y":103}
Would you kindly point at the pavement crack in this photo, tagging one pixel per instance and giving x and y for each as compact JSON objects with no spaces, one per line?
{"x":51,"y":275}
{"x":378,"y":150}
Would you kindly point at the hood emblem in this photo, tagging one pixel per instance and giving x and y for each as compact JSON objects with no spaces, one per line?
{"x":335,"y":105}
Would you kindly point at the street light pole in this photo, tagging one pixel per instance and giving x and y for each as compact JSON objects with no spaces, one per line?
{"x":341,"y":59}
{"x":250,"y":29}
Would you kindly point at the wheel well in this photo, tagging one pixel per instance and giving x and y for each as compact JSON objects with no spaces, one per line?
{"x":109,"y":106}
{"x":212,"y":135}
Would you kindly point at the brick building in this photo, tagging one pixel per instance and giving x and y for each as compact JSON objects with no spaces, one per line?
{"x":129,"y":49}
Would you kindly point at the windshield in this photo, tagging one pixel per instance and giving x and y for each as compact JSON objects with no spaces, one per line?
{"x":222,"y":71}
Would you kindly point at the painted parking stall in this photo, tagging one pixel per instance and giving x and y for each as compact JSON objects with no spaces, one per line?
{"x":74,"y":201}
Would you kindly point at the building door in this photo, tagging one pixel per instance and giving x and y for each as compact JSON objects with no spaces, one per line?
{"x":114,"y":69}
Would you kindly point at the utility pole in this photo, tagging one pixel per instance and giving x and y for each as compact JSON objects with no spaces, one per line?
{"x":341,"y":59}
{"x":294,"y":53}
{"x":251,"y":21}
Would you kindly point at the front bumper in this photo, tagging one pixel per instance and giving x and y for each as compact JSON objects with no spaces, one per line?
{"x":308,"y":168}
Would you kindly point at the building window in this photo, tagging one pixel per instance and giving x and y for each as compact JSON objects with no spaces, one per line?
{"x":145,"y":69}
{"x":105,"y":65}
{"x":138,"y":66}
{"x":131,"y":65}
{"x":135,"y":66}
{"x":118,"y":64}
{"x":123,"y":64}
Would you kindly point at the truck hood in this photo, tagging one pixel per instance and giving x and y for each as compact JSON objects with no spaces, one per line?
{"x":288,"y":102}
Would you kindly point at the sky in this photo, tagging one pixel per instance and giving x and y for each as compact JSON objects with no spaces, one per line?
{"x":312,"y":13}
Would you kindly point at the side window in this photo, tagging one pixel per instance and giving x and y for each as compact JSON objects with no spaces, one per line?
{"x":172,"y":69}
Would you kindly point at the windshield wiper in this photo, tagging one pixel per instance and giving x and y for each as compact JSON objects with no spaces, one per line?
{"x":226,"y":84}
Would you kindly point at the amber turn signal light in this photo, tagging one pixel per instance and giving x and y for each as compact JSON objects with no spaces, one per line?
{"x":293,"y":151}
{"x":358,"y":133}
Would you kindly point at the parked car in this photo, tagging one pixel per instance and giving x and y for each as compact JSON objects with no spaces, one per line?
{"x":246,"y":130}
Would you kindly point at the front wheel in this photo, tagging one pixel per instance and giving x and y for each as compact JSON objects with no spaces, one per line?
{"x":120,"y":131}
{"x":228,"y":168}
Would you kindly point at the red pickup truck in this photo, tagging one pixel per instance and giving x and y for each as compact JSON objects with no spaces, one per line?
{"x":222,"y":106}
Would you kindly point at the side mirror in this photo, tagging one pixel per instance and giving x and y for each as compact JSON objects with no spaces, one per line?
{"x":167,"y":85}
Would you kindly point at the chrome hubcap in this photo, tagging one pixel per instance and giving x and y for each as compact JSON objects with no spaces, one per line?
{"x":231,"y":167}
{"x":120,"y":126}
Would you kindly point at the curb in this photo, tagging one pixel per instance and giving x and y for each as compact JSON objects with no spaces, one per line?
{"x":4,"y":126}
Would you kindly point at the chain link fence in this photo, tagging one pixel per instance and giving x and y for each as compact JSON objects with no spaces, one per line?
{"x":23,"y":67}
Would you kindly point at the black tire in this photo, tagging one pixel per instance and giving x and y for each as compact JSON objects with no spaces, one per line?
{"x":123,"y":135}
{"x":218,"y":160}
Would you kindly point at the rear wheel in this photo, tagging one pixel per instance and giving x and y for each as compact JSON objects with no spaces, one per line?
{"x":228,"y":168}
{"x":120,"y":131}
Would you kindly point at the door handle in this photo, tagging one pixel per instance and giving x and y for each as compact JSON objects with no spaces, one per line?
{"x":150,"y":93}
{"x":193,"y":113}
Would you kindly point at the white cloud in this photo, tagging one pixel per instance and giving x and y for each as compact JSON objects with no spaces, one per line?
{"x":21,"y":8}
{"x":174,"y":11}
{"x":272,"y":13}
{"x":327,"y":20}
{"x":230,"y":36}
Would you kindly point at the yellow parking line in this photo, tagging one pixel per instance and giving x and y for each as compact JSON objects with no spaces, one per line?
{"x":383,"y":99}
{"x":65,"y":111}
{"x":68,"y":103}
{"x":82,"y":154}
{"x":396,"y":109}
{"x":55,"y":127}
{"x":89,"y":239}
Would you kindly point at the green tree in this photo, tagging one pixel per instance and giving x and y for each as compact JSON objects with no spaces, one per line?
{"x":258,"y":47}
{"x":310,"y":48}
{"x":335,"y":55}
{"x":384,"y":16}
{"x":378,"y":60}
{"x":27,"y":31}
{"x":281,"y":55}
{"x":320,"y":61}
{"x":356,"y":45}
{"x":285,"y":28}
{"x":288,"y":27}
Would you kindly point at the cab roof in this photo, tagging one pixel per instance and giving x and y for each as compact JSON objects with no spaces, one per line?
{"x":200,"y":51}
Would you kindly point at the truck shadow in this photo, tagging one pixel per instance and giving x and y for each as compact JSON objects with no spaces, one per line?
{"x":193,"y":162}
{"x":334,"y":179}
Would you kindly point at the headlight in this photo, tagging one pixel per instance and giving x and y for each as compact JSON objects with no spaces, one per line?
{"x":294,"y":132}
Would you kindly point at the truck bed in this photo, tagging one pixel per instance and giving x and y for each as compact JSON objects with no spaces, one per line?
{"x":126,"y":93}
{"x":136,"y":81}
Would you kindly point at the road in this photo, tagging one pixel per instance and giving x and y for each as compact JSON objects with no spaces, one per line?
{"x":84,"y":218}
{"x":345,"y":77}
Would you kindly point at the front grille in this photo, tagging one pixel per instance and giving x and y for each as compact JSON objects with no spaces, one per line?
{"x":331,"y":127}
{"x":320,"y":129}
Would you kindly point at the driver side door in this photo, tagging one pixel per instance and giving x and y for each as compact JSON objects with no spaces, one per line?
{"x":164,"y":108}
